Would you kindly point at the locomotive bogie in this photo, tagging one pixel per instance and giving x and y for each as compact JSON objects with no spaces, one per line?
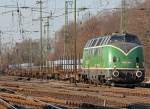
{"x":117,"y":76}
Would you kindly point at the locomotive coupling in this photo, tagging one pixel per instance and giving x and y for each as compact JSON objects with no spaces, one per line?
{"x":139,"y":74}
{"x":115,"y":73}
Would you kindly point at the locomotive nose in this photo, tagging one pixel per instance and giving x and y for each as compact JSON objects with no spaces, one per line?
{"x":125,"y":46}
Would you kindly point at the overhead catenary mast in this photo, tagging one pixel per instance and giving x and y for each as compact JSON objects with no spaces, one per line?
{"x":75,"y":38}
{"x":41,"y":38}
{"x":0,"y":50}
{"x":148,"y":20}
{"x":123,"y":23}
{"x":47,"y":38}
{"x":66,"y":25}
{"x":66,"y":34}
{"x":47,"y":41}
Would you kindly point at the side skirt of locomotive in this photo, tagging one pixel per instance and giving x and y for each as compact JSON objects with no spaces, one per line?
{"x":121,"y":76}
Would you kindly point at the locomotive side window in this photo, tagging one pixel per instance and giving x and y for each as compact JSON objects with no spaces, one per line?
{"x":90,"y":43}
{"x":94,"y":42}
{"x":87,"y":44}
{"x":106,"y":39}
{"x":103,"y":39}
{"x":99,"y":41}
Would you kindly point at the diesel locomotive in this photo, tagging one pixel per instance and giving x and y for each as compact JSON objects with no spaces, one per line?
{"x":117,"y":58}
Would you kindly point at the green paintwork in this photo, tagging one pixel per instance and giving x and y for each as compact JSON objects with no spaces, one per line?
{"x":104,"y":59}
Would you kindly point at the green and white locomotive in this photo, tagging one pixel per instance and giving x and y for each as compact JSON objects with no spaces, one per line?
{"x":117,"y":58}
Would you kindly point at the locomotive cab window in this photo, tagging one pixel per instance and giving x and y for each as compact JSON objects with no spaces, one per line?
{"x":132,"y":39}
{"x":116,"y":38}
{"x":124,"y":38}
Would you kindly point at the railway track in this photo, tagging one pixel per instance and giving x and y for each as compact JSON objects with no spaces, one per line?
{"x":66,"y":100}
{"x":63,"y":94}
{"x":13,"y":101}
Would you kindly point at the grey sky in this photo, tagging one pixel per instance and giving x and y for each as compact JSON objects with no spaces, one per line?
{"x":9,"y":18}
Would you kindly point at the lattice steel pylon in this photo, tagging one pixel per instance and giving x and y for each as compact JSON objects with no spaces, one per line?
{"x":148,"y":20}
{"x":123,"y":23}
{"x":66,"y":33}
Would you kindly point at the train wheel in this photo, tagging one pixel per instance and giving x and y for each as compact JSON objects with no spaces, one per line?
{"x":102,"y":81}
{"x":72,"y":80}
{"x":108,"y":83}
{"x":113,"y":84}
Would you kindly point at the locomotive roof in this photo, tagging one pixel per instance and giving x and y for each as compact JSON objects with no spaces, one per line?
{"x":114,"y":38}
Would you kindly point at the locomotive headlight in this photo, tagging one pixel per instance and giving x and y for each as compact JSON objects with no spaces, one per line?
{"x":139,"y":74}
{"x":115,"y":73}
{"x":137,"y":66}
